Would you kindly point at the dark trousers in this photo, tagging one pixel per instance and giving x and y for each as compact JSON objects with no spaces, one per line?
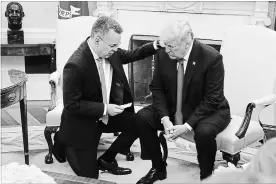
{"x":84,"y":161}
{"x":205,"y":133}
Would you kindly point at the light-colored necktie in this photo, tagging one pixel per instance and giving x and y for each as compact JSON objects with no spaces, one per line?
{"x":180,"y":79}
{"x":103,"y":84}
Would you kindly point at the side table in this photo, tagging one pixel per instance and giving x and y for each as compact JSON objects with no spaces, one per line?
{"x":30,"y":50}
{"x":13,"y":90}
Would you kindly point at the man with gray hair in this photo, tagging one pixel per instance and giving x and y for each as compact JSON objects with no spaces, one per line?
{"x":97,"y":98}
{"x":187,"y":89}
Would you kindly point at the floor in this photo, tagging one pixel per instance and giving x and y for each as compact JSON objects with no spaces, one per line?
{"x":182,"y":164}
{"x":179,"y":171}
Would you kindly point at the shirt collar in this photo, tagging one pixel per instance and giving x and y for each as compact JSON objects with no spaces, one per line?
{"x":93,"y":53}
{"x":189,"y":52}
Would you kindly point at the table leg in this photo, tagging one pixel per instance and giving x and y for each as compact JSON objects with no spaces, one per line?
{"x":24,"y":123}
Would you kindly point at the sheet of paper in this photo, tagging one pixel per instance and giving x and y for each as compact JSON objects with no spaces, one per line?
{"x":126,"y":105}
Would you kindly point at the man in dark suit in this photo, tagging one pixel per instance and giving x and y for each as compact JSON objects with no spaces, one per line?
{"x":187,"y":89}
{"x":95,"y":89}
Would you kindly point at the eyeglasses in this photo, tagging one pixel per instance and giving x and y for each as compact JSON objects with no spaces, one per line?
{"x":111,"y":46}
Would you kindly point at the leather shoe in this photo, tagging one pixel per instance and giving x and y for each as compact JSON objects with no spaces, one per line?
{"x":152,"y":176}
{"x":112,"y":167}
{"x":129,"y":155}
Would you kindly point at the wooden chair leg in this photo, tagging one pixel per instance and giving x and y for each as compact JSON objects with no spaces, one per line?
{"x":234,"y":159}
{"x":164,"y":145}
{"x":48,"y":136}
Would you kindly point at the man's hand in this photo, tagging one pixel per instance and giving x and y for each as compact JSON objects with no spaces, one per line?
{"x":113,"y":109}
{"x":161,"y":42}
{"x":177,"y":130}
{"x":167,"y":124}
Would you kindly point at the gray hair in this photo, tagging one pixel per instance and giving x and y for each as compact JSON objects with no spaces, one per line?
{"x":103,"y":24}
{"x":178,"y":30}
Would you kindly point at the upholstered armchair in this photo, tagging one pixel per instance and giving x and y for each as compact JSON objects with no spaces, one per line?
{"x":70,"y":33}
{"x":249,"y":59}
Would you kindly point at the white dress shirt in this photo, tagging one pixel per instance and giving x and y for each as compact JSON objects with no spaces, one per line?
{"x":108,"y":73}
{"x":186,"y":58}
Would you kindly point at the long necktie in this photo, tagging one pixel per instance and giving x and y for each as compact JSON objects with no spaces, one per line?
{"x":103,"y":84}
{"x":180,"y":78}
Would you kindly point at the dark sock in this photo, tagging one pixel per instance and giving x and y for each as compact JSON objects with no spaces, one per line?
{"x":159,"y":165}
{"x":109,"y":156}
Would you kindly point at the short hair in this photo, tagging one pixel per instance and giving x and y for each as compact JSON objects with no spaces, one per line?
{"x":103,"y":24}
{"x":178,"y":30}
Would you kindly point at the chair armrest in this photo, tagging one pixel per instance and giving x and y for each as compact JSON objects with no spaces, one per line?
{"x":55,"y":77}
{"x":260,"y":102}
{"x":266,"y":100}
{"x":54,"y":80}
{"x":246,"y":120}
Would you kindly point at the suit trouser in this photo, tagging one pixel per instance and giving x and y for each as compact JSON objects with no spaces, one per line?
{"x":205,"y":134}
{"x":84,"y":161}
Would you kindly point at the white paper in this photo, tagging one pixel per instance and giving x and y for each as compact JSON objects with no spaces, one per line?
{"x":126,"y":105}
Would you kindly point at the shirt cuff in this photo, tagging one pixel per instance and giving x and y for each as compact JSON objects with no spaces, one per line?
{"x":164,"y":118}
{"x":188,"y":126}
{"x":155,"y":47}
{"x":105,"y":109}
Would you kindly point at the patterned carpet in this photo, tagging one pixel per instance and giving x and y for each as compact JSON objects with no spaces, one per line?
{"x":12,"y":135}
{"x":11,"y":116}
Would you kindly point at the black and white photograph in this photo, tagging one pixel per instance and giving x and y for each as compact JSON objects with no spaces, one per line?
{"x":138,"y":92}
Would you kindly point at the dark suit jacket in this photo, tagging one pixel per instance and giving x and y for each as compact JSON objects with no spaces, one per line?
{"x":82,"y":95}
{"x":203,"y":96}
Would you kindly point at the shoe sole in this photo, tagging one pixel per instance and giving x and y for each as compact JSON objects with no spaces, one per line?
{"x":104,"y":170}
{"x":162,"y":178}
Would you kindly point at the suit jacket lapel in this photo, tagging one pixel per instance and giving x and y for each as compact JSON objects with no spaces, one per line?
{"x":190,"y":69}
{"x":91,"y":63}
{"x":119,"y":72}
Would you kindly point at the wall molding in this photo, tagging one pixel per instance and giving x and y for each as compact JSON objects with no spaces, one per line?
{"x":260,"y":16}
{"x":104,"y":8}
{"x":220,"y":8}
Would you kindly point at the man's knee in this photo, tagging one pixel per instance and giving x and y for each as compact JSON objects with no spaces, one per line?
{"x":143,"y":116}
{"x":204,"y":133}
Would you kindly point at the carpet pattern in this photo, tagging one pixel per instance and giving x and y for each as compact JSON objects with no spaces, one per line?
{"x":11,"y":116}
{"x":11,"y":139}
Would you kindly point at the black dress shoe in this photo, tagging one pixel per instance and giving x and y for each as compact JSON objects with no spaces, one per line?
{"x":129,"y":155}
{"x":152,"y":176}
{"x":112,"y":167}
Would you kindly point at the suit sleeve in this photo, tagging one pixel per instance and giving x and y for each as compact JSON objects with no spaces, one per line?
{"x":158,"y":91}
{"x":72,"y":93}
{"x":144,"y":51}
{"x":213,"y":92}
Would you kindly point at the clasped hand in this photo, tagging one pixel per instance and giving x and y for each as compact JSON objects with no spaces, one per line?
{"x":176,"y":131}
{"x":173,"y":131}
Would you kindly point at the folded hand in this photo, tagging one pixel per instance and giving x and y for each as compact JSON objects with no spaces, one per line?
{"x":176,"y":131}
